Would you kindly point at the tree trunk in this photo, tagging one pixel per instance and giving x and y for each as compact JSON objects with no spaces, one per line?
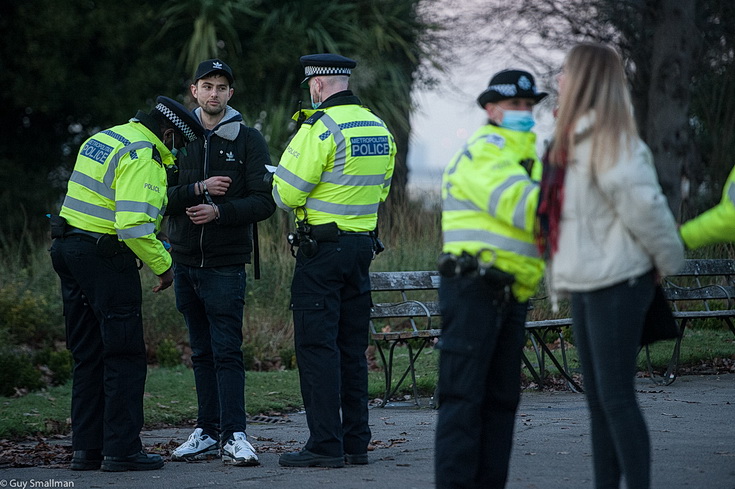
{"x":667,"y":127}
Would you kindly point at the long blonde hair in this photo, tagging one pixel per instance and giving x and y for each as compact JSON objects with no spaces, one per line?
{"x":594,"y":80}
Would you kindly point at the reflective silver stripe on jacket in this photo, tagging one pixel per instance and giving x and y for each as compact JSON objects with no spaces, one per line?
{"x":731,"y":193}
{"x":519,"y":215}
{"x":89,"y":209}
{"x":493,"y":240}
{"x":496,"y":194}
{"x":95,"y":186}
{"x":451,"y":203}
{"x":342,"y":209}
{"x":294,"y":180}
{"x":137,"y":231}
{"x":141,"y":207}
{"x":277,"y":199}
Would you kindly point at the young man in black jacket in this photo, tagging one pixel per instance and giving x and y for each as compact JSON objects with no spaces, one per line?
{"x":215,"y":198}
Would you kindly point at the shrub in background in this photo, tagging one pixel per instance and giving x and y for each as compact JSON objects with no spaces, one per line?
{"x":29,"y":314}
{"x":161,"y":320}
{"x":288,"y":358}
{"x":17,"y":372}
{"x":57,"y":364}
{"x":167,"y":353}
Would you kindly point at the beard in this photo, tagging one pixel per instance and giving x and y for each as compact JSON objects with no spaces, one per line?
{"x":213,"y":110}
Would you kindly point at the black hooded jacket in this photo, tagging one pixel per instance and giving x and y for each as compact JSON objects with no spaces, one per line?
{"x":231,"y":149}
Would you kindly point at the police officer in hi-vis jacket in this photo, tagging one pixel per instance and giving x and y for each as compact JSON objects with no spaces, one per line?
{"x":333,"y":176}
{"x":490,"y":268}
{"x":109,"y":220}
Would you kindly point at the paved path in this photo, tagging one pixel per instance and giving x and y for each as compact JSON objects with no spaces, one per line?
{"x":692,"y":425}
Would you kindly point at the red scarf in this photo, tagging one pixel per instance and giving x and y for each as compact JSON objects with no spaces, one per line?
{"x":551,"y":199}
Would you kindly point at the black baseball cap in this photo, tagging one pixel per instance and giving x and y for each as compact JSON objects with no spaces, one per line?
{"x":212,"y":66}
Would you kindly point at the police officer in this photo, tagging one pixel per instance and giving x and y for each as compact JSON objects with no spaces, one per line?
{"x":334,"y":174}
{"x":490,"y":268}
{"x":110,"y":216}
{"x":716,"y":225}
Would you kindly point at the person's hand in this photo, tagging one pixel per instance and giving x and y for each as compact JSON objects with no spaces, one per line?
{"x":217,"y":185}
{"x":202,"y":213}
{"x":165,"y":280}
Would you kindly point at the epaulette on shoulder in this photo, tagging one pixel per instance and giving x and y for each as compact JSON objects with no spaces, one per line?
{"x":314,"y":117}
{"x":157,"y":156}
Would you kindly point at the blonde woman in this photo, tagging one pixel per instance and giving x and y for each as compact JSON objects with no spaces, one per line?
{"x":608,"y":233}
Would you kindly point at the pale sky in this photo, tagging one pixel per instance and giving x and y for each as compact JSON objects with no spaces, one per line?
{"x":447,"y":116}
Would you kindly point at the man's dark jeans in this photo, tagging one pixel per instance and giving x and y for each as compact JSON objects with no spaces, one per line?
{"x":212,"y":300}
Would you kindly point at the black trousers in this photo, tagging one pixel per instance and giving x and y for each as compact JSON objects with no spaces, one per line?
{"x":479,"y":384}
{"x":104,"y":332}
{"x":330,"y":299}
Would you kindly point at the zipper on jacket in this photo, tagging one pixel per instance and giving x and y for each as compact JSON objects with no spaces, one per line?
{"x":204,"y":177}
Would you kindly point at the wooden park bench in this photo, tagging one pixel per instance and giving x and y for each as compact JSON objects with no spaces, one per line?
{"x":415,"y":304}
{"x":705,"y":288}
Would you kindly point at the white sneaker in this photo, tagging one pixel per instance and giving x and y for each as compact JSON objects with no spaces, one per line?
{"x":238,"y":451}
{"x":199,"y":446}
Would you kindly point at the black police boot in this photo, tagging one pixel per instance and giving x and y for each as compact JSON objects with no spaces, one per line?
{"x":356,"y":458}
{"x":137,"y":461}
{"x":86,"y":459}
{"x":305,"y":458}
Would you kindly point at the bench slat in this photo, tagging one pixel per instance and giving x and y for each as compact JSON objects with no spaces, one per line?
{"x":405,"y":335}
{"x":549,"y":323}
{"x":705,"y":267}
{"x":409,"y":280}
{"x":725,"y":313}
{"x":403,"y":309}
{"x":699,"y":293}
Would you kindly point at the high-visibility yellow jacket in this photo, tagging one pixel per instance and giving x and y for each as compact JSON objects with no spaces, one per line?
{"x":118,"y":186}
{"x":716,"y":225}
{"x":489,"y":201}
{"x":338,"y":166}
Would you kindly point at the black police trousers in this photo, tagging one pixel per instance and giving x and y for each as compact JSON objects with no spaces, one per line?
{"x":104,"y":332}
{"x":479,"y":383}
{"x":330,"y":300}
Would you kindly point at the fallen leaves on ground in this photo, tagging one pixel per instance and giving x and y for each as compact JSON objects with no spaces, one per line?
{"x":34,"y":453}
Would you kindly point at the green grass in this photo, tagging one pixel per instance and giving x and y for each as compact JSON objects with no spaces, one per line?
{"x":170,"y":396}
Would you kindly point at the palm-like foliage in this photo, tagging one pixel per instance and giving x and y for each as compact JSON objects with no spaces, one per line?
{"x":212,"y":25}
{"x":263,"y":41}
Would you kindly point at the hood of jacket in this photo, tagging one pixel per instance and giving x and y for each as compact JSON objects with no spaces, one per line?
{"x":229,"y":126}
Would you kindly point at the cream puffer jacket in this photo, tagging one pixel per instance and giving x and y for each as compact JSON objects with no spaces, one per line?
{"x":615,"y":225}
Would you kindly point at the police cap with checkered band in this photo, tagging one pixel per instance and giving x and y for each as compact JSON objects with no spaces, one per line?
{"x":326,"y":64}
{"x":182,"y":118}
{"x":510,"y":84}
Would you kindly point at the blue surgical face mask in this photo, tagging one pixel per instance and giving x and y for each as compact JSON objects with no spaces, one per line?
{"x":518,"y":120}
{"x":315,"y":105}
{"x":174,"y":150}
